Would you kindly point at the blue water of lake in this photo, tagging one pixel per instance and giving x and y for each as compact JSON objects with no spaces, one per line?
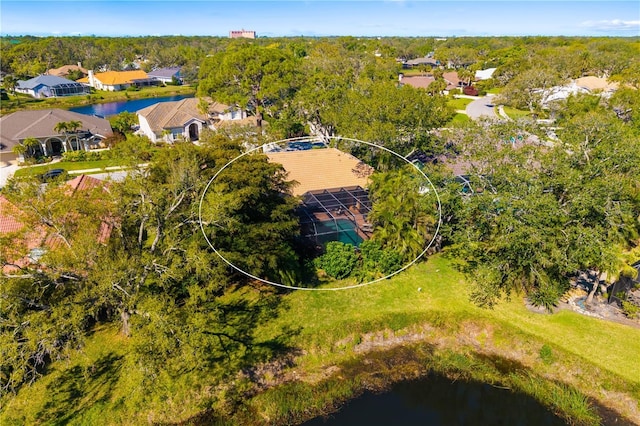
{"x":113,"y":108}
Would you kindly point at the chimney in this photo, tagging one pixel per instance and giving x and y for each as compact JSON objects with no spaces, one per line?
{"x":92,"y":79}
{"x":79,"y":64}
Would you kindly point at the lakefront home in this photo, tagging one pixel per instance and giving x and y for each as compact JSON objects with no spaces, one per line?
{"x":51,"y":86}
{"x":185,"y":119}
{"x":167,"y":75}
{"x":118,"y":80}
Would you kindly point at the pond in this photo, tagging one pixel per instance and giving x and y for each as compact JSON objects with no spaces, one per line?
{"x":112,"y":108}
{"x":436,"y":400}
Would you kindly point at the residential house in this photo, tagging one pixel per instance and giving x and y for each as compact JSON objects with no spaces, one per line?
{"x":167,"y":75}
{"x":184,"y":119}
{"x":595,"y":84}
{"x":64,"y":70}
{"x":30,"y":243}
{"x":172,"y":121}
{"x":45,"y":86}
{"x":485,"y":74}
{"x":118,"y":80}
{"x":41,"y":125}
{"x":422,"y":82}
{"x":419,"y":62}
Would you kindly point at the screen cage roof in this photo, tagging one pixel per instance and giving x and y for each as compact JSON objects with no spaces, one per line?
{"x":325,"y":214}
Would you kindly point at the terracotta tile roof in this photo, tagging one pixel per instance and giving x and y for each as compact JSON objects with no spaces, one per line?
{"x":420,"y":82}
{"x":321,"y":169}
{"x":119,"y":77}
{"x":84,"y":182}
{"x":9,"y":217}
{"x":65,"y":69}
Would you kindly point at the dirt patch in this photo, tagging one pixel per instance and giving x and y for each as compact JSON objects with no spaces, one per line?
{"x":574,"y":300}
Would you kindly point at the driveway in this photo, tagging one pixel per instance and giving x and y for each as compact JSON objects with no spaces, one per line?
{"x":6,"y":171}
{"x":481,"y":107}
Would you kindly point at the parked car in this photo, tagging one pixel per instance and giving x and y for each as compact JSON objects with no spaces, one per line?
{"x":52,"y":174}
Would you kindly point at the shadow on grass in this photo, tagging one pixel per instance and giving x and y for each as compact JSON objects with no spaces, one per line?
{"x":79,"y":389}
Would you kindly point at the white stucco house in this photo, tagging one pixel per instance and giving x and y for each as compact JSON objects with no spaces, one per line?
{"x":184,"y":120}
{"x":166,"y":75}
{"x":117,"y":80}
{"x":172,"y":121}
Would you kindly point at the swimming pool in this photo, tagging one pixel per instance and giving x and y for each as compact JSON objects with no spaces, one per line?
{"x":342,"y":230}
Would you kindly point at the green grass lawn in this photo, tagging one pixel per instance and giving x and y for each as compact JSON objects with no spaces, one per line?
{"x":458,"y":119}
{"x":327,"y":317}
{"x":65,"y":165}
{"x":594,"y":356}
{"x":514,"y":113}
{"x":459,"y":103}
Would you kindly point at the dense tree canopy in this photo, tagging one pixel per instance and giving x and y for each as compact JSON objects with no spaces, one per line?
{"x":546,"y":212}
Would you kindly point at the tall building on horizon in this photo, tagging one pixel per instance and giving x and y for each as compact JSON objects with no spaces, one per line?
{"x":242,"y":34}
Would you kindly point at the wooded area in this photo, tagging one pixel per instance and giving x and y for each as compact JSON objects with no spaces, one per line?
{"x":541,"y":210}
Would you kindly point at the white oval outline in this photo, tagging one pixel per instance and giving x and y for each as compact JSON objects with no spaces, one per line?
{"x":319,"y":139}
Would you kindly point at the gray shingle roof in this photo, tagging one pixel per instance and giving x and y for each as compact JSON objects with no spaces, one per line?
{"x":45,"y":80}
{"x":39,"y":124}
{"x":164,"y":72}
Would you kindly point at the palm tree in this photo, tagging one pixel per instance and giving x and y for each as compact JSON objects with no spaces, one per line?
{"x":10,"y":83}
{"x":72,"y":127}
{"x":61,"y":127}
{"x":27,"y":148}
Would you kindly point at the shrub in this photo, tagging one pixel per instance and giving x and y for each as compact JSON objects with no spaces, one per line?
{"x":546,"y":296}
{"x":339,"y":260}
{"x":546,"y":354}
{"x":629,"y":309}
{"x":75,"y":156}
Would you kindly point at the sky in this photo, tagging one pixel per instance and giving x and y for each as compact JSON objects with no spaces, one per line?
{"x":269,"y":18}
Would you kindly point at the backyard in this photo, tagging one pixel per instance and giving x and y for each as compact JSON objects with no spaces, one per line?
{"x":565,"y":360}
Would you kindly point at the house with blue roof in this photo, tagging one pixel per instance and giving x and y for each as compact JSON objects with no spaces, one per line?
{"x":167,"y":75}
{"x":51,"y":86}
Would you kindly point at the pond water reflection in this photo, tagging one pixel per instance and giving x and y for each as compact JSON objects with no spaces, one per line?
{"x":436,"y":400}
{"x":112,"y":108}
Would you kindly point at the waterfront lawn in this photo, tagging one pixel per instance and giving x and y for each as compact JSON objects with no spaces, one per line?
{"x":553,"y":355}
{"x":433,"y":292}
{"x":24,"y":102}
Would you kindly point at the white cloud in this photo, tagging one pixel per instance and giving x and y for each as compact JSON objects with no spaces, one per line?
{"x":612,"y":25}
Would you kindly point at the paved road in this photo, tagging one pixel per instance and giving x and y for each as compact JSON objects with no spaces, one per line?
{"x":481,"y":107}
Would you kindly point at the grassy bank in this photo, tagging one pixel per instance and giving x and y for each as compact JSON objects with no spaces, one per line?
{"x":23,"y":102}
{"x":365,"y":338}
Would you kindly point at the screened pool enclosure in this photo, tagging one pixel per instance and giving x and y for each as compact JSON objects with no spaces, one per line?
{"x":338,"y":214}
